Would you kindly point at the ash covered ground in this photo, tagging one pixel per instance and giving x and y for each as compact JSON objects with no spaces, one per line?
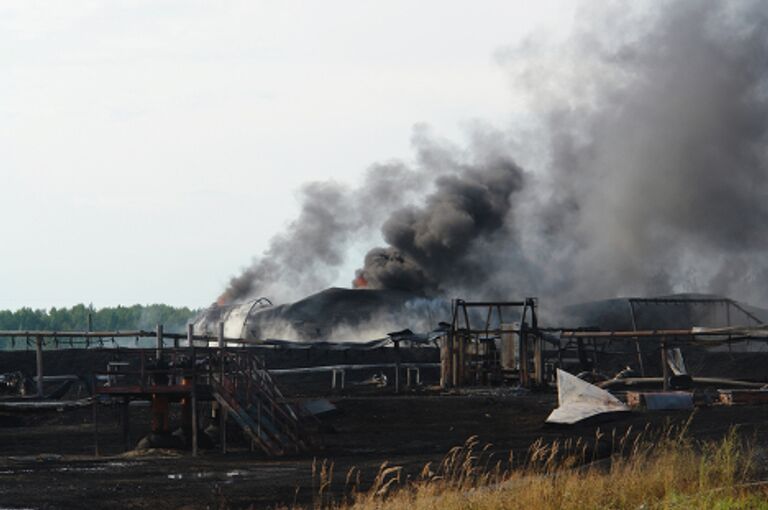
{"x":47,"y":461}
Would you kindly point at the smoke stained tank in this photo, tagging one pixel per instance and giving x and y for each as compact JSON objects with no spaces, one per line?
{"x":678,"y":311}
{"x":332,"y":314}
{"x":234,"y":317}
{"x":510,"y":341}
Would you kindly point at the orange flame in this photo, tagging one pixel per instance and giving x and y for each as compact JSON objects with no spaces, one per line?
{"x":360,"y":282}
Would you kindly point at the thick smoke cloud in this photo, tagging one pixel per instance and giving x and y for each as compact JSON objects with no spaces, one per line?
{"x":305,"y":257}
{"x":646,"y":172}
{"x":656,"y":125}
{"x":429,"y":245}
{"x":293,"y":257}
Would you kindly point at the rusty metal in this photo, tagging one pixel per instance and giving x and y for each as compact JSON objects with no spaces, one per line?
{"x":469,"y":355}
{"x":236,"y":378}
{"x":653,"y":333}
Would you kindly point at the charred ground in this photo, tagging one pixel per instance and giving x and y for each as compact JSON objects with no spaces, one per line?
{"x":47,"y":459}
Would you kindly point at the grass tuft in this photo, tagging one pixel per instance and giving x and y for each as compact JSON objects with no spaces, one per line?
{"x":669,"y":471}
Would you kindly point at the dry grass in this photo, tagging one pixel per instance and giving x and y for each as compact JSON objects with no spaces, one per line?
{"x":669,"y":471}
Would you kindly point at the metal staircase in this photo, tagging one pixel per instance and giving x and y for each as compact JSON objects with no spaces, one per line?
{"x":245,"y":389}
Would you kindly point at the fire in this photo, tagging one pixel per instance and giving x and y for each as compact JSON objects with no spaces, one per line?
{"x":359,"y":282}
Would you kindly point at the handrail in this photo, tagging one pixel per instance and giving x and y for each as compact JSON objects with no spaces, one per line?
{"x":238,"y":376}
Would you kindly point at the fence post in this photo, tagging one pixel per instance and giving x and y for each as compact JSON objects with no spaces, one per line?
{"x":538,"y":359}
{"x":159,"y":346}
{"x":664,"y":364}
{"x":193,"y":396}
{"x":94,"y":406}
{"x":222,"y":409}
{"x":222,"y":348}
{"x":39,"y":363}
{"x":397,"y":366}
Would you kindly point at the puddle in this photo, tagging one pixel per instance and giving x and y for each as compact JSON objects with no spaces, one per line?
{"x":100,"y":467}
{"x":116,"y":464}
{"x":35,"y":458}
{"x":204,"y":475}
{"x":88,"y":469}
{"x":228,"y":476}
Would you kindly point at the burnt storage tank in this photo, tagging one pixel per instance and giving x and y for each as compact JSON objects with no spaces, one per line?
{"x":332,"y":314}
{"x":234,"y":316}
{"x":677,"y":311}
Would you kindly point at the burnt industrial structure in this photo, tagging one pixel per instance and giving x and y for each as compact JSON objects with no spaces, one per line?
{"x":231,"y":379}
{"x":482,"y":344}
{"x":206,"y":372}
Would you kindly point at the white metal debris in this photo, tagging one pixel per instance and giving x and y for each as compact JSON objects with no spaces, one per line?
{"x":578,"y":399}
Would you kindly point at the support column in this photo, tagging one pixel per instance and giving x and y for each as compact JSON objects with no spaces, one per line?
{"x":640,"y":363}
{"x":444,"y":363}
{"x":538,"y":360}
{"x":450,"y":362}
{"x":194,"y":416}
{"x":191,"y":337}
{"x":222,"y":349}
{"x":193,"y":396}
{"x":523,"y":356}
{"x":222,"y":409}
{"x":664,"y":364}
{"x":39,"y":363}
{"x":159,"y":346}
{"x":397,"y":366}
{"x":461,"y":364}
{"x":94,"y":407}
{"x":538,"y":346}
{"x":223,"y":428}
{"x":160,"y":377}
{"x":126,"y":423}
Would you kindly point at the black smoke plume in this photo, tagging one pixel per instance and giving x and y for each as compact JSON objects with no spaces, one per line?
{"x":429,"y":246}
{"x":655,"y":124}
{"x":646,"y":157}
{"x":305,"y":257}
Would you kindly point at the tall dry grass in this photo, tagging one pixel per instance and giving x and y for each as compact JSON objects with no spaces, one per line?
{"x":668,"y":471}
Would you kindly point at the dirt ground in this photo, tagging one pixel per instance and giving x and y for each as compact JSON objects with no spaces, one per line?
{"x":47,"y":459}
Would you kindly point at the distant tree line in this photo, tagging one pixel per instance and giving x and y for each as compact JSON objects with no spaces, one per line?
{"x":104,"y":319}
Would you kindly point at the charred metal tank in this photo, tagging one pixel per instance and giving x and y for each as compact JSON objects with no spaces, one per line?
{"x":677,"y":311}
{"x":332,"y":314}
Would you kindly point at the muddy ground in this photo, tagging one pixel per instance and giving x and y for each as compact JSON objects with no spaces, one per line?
{"x":47,"y":460}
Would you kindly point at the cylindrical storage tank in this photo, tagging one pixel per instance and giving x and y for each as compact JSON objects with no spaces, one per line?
{"x":510,"y":340}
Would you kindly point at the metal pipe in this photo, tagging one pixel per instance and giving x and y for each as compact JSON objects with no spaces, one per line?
{"x":654,"y":333}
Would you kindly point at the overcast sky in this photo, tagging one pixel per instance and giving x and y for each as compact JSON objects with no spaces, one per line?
{"x":149,"y":149}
